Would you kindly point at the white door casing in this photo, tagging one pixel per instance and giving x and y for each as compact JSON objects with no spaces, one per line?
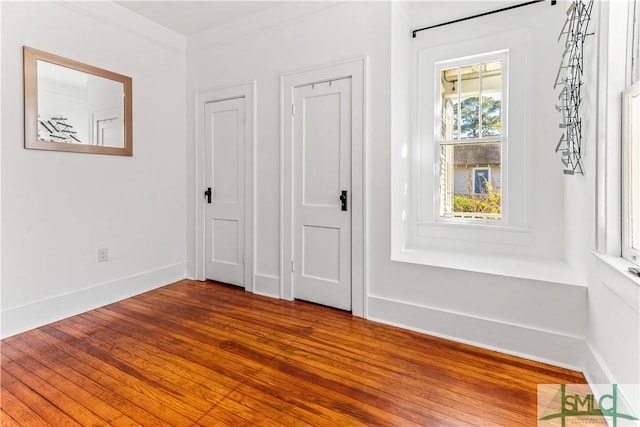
{"x":246,"y":90}
{"x":322,"y":176}
{"x":225,"y":176}
{"x":355,"y":70}
{"x":108,"y":127}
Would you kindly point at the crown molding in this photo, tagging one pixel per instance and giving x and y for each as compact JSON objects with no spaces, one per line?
{"x":251,"y":25}
{"x":125,"y":20}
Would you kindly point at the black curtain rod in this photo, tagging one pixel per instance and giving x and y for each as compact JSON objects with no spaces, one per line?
{"x":414,"y":32}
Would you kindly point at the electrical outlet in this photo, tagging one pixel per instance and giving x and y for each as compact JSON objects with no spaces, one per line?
{"x":103,"y":254}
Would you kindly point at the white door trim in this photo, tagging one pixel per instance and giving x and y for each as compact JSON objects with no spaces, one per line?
{"x":356,"y":69}
{"x":246,"y":91}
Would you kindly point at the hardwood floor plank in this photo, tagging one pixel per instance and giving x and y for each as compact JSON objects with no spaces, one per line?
{"x":246,"y":415}
{"x":196,"y":365}
{"x":34,"y":401}
{"x":454,"y":382}
{"x":66,"y":385}
{"x":210,"y":317}
{"x":245,"y":360}
{"x":205,"y":354}
{"x":155,"y":401}
{"x":277,"y":410}
{"x":68,"y":378}
{"x":20,"y":411}
{"x":353,"y":404}
{"x":380,"y":387}
{"x":6,"y":420}
{"x":253,"y":347}
{"x":201,"y":398}
{"x":58,"y":398}
{"x":323,"y":405}
{"x":226,"y":362}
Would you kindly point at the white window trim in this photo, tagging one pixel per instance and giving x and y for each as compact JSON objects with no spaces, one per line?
{"x":423,"y":212}
{"x":613,"y":78}
{"x":628,"y":252}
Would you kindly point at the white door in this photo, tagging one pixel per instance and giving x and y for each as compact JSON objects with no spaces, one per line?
{"x":225,"y":177}
{"x":108,"y":127}
{"x":322,"y":175}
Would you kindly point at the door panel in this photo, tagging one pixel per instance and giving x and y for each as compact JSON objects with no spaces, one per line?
{"x":322,"y":170}
{"x":319,"y":264}
{"x":225,"y":241}
{"x":321,"y":155}
{"x":226,"y":144}
{"x":224,"y":170}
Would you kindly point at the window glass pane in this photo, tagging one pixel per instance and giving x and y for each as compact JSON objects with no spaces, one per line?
{"x":462,"y":88}
{"x":449,"y":102}
{"x":471,"y":181}
{"x":492,"y":98}
{"x":469,"y":102}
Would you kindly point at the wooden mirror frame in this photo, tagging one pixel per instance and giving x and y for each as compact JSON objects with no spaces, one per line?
{"x":31,"y":141}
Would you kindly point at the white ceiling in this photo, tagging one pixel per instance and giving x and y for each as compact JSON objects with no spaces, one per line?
{"x":190,"y":17}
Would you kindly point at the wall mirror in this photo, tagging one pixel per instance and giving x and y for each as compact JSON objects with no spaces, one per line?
{"x":71,"y":106}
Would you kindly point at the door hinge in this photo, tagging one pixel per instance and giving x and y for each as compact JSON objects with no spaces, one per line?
{"x":293,"y":109}
{"x":244,"y":117}
{"x":244,"y":258}
{"x":293,"y":266}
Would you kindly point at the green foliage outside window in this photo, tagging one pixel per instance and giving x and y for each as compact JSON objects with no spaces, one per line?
{"x":491,"y":117}
{"x":487,"y":202}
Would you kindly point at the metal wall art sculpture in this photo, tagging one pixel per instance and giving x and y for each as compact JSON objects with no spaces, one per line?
{"x":569,"y":78}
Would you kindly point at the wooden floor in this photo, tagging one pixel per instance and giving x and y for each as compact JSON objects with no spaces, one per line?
{"x":205,"y":354}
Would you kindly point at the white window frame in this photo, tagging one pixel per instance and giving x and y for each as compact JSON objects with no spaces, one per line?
{"x":480,"y":58}
{"x":425,"y":229}
{"x":630,"y":173}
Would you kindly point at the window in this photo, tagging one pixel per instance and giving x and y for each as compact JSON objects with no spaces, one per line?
{"x":470,"y":133}
{"x":467,"y":184}
{"x":631,"y":174}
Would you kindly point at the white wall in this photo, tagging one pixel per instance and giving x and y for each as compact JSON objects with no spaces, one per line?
{"x":59,"y":208}
{"x":613,"y":336}
{"x":335,"y":33}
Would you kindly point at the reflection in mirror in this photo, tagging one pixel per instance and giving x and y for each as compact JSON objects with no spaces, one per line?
{"x":79,"y":108}
{"x":71,"y":106}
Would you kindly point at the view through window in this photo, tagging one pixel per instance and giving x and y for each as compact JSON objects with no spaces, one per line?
{"x":471,"y":135}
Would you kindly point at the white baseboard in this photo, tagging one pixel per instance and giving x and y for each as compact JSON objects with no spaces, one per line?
{"x":29,"y":316}
{"x":544,"y":346}
{"x":595,"y":370}
{"x":268,"y":286}
{"x":599,"y":377}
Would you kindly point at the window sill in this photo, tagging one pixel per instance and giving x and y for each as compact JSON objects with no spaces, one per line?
{"x":484,"y":233}
{"x":521,"y":267}
{"x":612,"y":272}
